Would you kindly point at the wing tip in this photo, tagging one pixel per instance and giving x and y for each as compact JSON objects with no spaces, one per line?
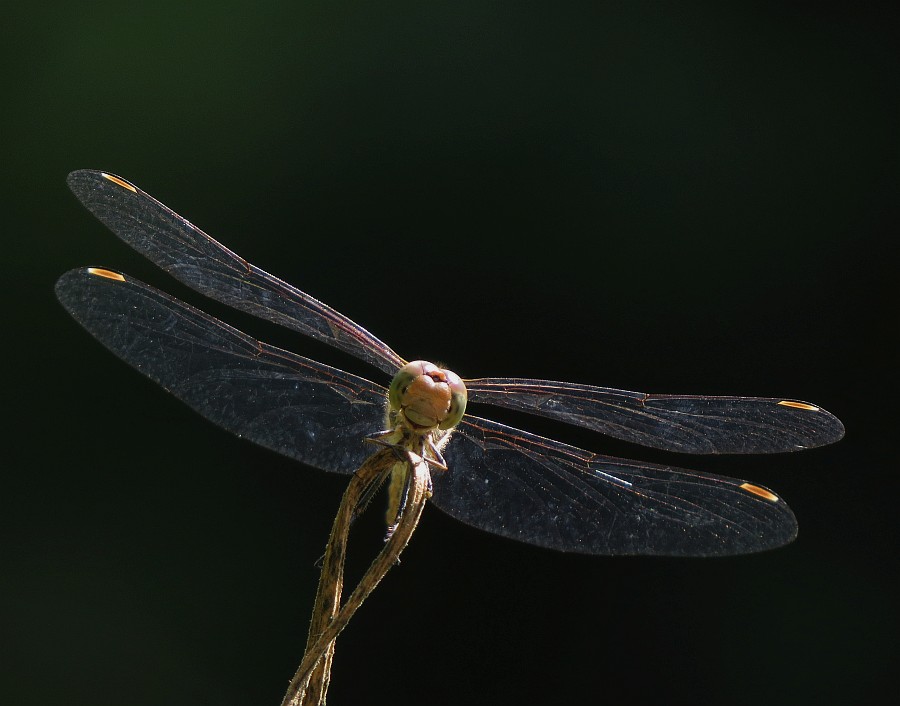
{"x":79,"y":179}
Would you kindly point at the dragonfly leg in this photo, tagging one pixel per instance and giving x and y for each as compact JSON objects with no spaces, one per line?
{"x":368,"y":492}
{"x":394,"y":438}
{"x":415,"y":479}
{"x":437,"y":462}
{"x":398,"y":491}
{"x":376,"y":437}
{"x":390,"y":438}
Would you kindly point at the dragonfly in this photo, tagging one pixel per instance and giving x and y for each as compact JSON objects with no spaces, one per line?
{"x":500,"y":479}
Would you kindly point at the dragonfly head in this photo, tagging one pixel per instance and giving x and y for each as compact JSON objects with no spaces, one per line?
{"x":428,"y":397}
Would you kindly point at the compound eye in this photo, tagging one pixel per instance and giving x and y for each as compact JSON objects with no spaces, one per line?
{"x":459,"y":396}
{"x":401,"y":382}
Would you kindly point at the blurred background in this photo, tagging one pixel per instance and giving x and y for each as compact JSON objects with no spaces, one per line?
{"x":698,"y":198}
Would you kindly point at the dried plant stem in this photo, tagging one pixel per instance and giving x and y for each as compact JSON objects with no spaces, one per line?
{"x":310,"y":683}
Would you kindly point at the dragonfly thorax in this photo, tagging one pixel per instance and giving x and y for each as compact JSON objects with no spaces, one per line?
{"x":427,"y":397}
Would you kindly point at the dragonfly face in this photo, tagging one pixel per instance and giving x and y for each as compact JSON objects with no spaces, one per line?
{"x":427,"y":397}
{"x":501,"y":479}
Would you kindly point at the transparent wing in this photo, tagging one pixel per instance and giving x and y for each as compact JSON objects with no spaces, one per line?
{"x":295,"y":406}
{"x":687,"y":423}
{"x":202,"y":263}
{"x":547,"y":493}
{"x":501,"y":479}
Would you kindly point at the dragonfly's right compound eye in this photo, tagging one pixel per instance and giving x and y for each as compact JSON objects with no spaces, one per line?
{"x":428,"y":396}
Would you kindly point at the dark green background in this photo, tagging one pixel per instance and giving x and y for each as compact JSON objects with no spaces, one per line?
{"x":698,"y":198}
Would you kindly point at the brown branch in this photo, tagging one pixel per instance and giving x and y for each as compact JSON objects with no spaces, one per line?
{"x":310,"y":682}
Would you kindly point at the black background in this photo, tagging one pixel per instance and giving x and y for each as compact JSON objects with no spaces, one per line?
{"x":697,"y":198}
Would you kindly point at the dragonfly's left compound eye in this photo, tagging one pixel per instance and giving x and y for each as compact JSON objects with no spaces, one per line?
{"x":429,"y":396}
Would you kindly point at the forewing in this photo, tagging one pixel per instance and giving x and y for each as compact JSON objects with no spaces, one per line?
{"x":202,"y":263}
{"x":686,"y":423}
